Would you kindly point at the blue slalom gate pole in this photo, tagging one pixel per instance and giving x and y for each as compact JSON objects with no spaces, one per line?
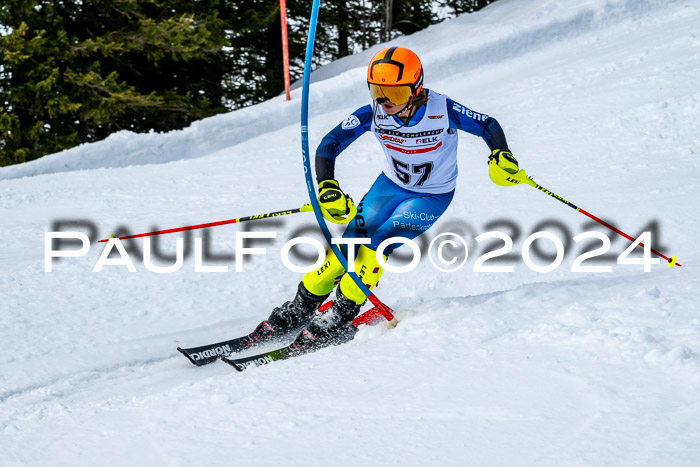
{"x":385,"y":310}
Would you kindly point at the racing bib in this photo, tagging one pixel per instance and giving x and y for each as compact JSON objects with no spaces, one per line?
{"x":422,"y":157}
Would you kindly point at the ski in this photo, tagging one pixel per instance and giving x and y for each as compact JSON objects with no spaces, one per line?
{"x":210,"y":353}
{"x":205,"y":354}
{"x":303,"y":344}
{"x":261,"y":359}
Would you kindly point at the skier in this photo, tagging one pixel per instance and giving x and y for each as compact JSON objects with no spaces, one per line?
{"x":417,"y":129}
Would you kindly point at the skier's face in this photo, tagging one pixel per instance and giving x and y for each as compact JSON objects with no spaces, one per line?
{"x":393,"y":109}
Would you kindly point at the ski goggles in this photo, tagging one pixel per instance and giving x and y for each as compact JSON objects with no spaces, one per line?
{"x":397,"y":95}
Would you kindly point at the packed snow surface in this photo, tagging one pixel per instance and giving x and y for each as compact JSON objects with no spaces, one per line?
{"x":600,"y":103}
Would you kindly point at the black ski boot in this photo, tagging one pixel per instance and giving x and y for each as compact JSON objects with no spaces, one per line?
{"x":288,"y":318}
{"x":332,"y":327}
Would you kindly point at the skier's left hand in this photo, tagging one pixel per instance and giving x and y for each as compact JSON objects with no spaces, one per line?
{"x":505,"y":160}
{"x":503,"y":168}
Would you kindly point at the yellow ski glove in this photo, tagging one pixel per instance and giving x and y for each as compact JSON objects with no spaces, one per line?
{"x":334,"y":203}
{"x":502,"y":167}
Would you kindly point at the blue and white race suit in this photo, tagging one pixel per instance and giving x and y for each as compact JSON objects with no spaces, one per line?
{"x":420,"y":166}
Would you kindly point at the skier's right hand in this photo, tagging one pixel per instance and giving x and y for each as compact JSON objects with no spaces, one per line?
{"x":335,"y":205}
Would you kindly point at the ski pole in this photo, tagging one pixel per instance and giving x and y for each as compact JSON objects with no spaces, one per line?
{"x":524,"y":178}
{"x":304,"y":208}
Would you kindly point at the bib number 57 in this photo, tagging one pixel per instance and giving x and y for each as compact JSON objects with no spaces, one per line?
{"x":403,"y":172}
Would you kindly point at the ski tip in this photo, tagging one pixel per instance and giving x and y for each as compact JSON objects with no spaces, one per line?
{"x":188,"y":357}
{"x":232,"y":363}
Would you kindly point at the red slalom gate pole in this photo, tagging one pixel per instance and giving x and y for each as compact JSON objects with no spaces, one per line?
{"x":304,"y":208}
{"x":285,"y":48}
{"x":524,"y":178}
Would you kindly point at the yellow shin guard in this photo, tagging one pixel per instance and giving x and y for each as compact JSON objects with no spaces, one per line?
{"x":321,"y":281}
{"x":367,"y":269}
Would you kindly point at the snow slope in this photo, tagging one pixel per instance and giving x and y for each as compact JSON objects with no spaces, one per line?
{"x":600,"y":103}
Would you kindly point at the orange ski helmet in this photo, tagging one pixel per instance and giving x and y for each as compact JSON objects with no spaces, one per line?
{"x":395,"y":74}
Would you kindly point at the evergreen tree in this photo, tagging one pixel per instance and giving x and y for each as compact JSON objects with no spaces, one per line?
{"x":458,"y":7}
{"x":74,"y":71}
{"x":255,"y":49}
{"x":411,"y":16}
